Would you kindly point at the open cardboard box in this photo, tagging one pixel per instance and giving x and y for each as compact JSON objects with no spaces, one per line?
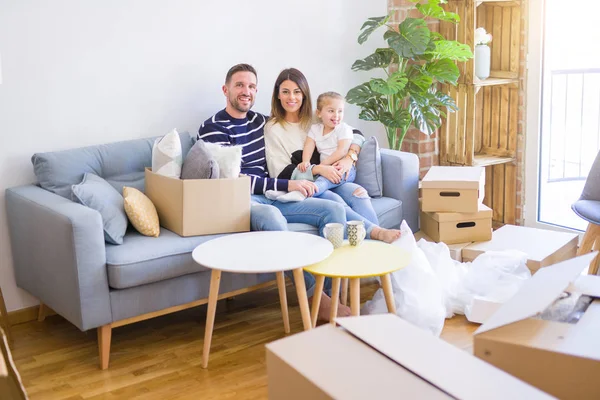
{"x":191,"y":207}
{"x":562,"y":359}
{"x":379,"y":357}
{"x":542,"y":246}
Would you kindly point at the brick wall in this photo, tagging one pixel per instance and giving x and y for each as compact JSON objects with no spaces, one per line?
{"x":427,"y":148}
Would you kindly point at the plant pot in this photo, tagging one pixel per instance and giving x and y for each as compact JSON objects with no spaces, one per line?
{"x":482,"y":61}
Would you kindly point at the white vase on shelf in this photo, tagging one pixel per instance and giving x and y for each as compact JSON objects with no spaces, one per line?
{"x":482,"y":61}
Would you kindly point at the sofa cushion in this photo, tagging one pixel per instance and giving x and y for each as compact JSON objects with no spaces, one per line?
{"x":167,"y":157}
{"x":97,"y":194}
{"x":140,"y":259}
{"x":141,"y":212}
{"x":389,"y":212}
{"x":368,"y":168}
{"x":120,"y":164}
{"x":199,"y":163}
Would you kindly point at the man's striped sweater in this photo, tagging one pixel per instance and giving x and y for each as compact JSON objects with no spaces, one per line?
{"x":249,"y":133}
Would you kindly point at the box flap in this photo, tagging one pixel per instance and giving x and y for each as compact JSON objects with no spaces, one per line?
{"x":538,"y":293}
{"x":588,"y":285}
{"x":446,"y":367}
{"x":483,"y":213}
{"x":453,"y":178}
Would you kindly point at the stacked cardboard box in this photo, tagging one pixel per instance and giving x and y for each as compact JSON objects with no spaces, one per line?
{"x":451,"y":206}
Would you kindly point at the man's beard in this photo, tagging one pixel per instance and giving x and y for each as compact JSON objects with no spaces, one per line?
{"x":235,"y":104}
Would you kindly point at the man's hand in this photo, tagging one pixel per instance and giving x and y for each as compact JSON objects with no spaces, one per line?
{"x":303,"y":166}
{"x":307,"y":188}
{"x":329,"y":172}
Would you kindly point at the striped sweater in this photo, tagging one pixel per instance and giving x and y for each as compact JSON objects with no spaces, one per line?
{"x":249,"y":133}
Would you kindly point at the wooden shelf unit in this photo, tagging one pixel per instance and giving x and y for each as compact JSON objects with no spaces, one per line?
{"x":484,"y":129}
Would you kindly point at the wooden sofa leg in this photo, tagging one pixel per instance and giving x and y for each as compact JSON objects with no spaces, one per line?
{"x":104,"y":335}
{"x":42,"y":312}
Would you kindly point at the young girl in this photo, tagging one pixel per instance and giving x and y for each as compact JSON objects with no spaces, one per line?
{"x":332,"y":139}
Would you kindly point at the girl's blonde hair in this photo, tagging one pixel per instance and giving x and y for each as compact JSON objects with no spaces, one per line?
{"x":323,"y":97}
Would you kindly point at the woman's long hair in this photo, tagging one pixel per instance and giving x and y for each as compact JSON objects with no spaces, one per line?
{"x":277,"y":110}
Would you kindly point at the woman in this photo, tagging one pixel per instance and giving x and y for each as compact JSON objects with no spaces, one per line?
{"x":285,"y":133}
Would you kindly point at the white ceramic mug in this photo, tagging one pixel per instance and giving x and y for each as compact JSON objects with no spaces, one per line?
{"x":334,"y":232}
{"x":356,"y":232}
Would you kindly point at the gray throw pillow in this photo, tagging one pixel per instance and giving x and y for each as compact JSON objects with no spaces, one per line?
{"x":368,"y":168}
{"x":199,"y":163}
{"x":95,"y":193}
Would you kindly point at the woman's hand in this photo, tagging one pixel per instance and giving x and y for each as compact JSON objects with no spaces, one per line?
{"x":329,"y":172}
{"x":343,"y":165}
{"x":303,"y":166}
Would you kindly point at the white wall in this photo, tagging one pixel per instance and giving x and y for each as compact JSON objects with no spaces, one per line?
{"x":78,"y":73}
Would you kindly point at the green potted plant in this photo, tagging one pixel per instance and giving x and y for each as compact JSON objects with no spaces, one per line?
{"x":415,"y":63}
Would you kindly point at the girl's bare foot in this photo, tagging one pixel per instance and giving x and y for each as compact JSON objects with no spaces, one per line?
{"x":325,"y":309}
{"x":385,"y":235}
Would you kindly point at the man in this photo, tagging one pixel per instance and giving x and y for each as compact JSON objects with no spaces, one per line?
{"x":238,"y":125}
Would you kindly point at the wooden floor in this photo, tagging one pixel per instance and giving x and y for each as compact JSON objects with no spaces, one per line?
{"x":160,"y":358}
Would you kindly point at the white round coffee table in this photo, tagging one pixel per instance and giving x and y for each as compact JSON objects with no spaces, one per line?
{"x":260,"y":252}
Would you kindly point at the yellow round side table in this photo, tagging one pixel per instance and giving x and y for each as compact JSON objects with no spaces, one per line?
{"x":371,"y":258}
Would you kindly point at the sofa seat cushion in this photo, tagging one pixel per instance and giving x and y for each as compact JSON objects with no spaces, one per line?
{"x":141,"y":259}
{"x":389,"y":211}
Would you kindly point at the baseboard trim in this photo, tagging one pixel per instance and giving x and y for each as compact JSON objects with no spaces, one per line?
{"x":26,"y":315}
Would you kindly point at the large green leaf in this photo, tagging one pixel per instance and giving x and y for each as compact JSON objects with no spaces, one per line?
{"x":371,"y":110}
{"x":360,"y":94}
{"x":447,"y":101}
{"x":395,"y":83}
{"x":437,"y":12}
{"x":411,"y":39}
{"x":426,"y":117}
{"x":444,"y":71}
{"x":382,"y":58}
{"x":399,"y":120}
{"x":420,"y":83}
{"x":370,"y":26}
{"x":450,"y":49}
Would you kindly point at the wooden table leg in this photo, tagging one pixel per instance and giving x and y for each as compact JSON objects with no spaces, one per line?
{"x":335,"y":299}
{"x":4,"y":317}
{"x":302,"y":299}
{"x":316,"y":300}
{"x":283,"y":301}
{"x":386,"y":282}
{"x":355,"y":296}
{"x":213,"y":295}
{"x":345,"y":291}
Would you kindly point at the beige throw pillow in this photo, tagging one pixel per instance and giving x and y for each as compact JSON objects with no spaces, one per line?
{"x":141,"y":212}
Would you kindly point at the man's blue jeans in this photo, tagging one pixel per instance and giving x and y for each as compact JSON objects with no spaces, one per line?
{"x":270,"y":215}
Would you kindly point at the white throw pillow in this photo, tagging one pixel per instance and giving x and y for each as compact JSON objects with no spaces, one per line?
{"x":167,"y":156}
{"x":229,"y":159}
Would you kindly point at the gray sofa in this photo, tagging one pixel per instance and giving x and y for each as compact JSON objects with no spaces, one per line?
{"x":60,"y":255}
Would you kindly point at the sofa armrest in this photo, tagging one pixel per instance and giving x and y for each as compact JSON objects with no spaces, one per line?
{"x":59,"y":255}
{"x":401,"y":181}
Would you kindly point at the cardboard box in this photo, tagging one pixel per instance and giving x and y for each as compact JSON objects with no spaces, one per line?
{"x":382,"y":357}
{"x":191,"y":207}
{"x":453,"y":189}
{"x":481,"y":309}
{"x":455,"y":249}
{"x":453,"y":228}
{"x":560,"y":358}
{"x":543,"y":247}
